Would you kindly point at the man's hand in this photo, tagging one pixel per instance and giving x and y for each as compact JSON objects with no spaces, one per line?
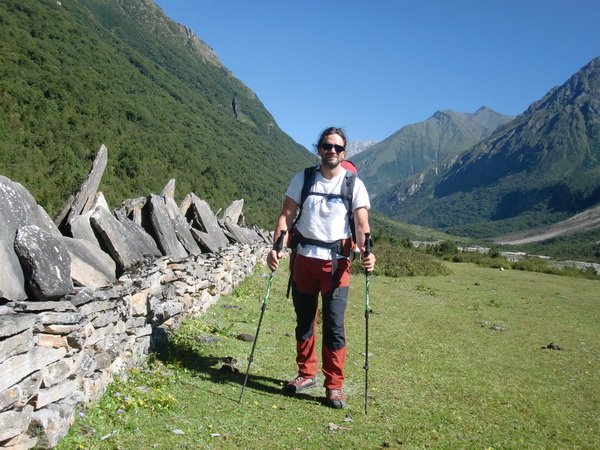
{"x":277,"y":252}
{"x":273,"y":259}
{"x":368,"y":261}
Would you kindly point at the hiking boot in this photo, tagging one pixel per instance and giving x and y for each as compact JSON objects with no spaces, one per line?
{"x":335,"y":398}
{"x":299,"y":383}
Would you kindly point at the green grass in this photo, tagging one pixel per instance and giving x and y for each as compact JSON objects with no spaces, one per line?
{"x":457,"y":361}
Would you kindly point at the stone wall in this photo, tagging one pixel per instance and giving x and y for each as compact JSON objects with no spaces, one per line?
{"x":55,"y":355}
{"x":90,"y":293}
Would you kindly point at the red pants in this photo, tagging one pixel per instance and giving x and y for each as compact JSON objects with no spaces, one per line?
{"x":312,"y":276}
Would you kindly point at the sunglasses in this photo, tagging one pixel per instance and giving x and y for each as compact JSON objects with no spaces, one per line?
{"x":337,"y":148}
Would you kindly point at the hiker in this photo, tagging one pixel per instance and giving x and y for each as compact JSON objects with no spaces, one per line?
{"x":321,"y":241}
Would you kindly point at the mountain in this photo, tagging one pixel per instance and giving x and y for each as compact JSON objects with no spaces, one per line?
{"x":78,"y":74}
{"x":415,"y":147}
{"x":355,"y":147}
{"x":541,"y":168}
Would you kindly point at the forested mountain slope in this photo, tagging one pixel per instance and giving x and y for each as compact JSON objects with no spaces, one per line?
{"x":78,"y":74}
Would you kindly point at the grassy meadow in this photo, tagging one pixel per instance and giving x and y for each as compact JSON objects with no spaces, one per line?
{"x":460,"y":360}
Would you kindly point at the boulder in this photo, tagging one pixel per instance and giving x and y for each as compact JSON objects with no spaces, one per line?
{"x":17,"y":208}
{"x":45,"y":261}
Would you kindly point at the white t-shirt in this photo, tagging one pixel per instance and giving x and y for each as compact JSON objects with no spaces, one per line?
{"x":325,"y":219}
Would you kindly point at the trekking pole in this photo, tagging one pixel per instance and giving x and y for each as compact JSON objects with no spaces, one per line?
{"x":277,"y":247}
{"x":367,"y":311}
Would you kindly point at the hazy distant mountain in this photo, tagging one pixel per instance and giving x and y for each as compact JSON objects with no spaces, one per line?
{"x":355,"y":147}
{"x":415,"y":147}
{"x":542,"y":167}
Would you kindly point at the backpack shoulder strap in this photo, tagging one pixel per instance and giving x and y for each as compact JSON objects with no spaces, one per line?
{"x":310,"y":174}
{"x":347,"y":191}
{"x":309,"y":179}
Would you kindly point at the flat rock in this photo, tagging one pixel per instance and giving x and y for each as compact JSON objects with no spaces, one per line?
{"x":90,"y":266}
{"x":11,"y":324}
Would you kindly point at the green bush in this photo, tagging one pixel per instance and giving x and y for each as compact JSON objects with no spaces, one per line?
{"x":394,"y":259}
{"x":540,"y":265}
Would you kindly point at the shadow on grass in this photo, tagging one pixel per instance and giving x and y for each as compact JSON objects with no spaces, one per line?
{"x":222,"y":370}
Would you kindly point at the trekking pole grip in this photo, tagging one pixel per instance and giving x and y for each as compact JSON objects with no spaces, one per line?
{"x":368,"y":244}
{"x":278,"y":246}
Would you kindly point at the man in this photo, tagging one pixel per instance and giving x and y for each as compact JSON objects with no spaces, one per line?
{"x":321,"y":263}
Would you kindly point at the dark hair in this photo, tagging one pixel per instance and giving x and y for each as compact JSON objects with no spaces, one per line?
{"x":329,"y":131}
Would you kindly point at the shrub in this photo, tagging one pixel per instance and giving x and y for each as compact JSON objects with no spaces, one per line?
{"x":394,"y":259}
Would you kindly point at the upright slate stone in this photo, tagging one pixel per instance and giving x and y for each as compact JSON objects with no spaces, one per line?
{"x":90,"y":266}
{"x":183,"y":230}
{"x":12,"y":280}
{"x":169,"y":189}
{"x":242,"y":235}
{"x":264,"y":235}
{"x":204,"y":241}
{"x":132,"y":209}
{"x":85,"y":197}
{"x":114,"y":239}
{"x":233,"y":213}
{"x":206,"y":221}
{"x":164,"y":233}
{"x":81,"y":228}
{"x":138,"y":236}
{"x":45,"y":261}
{"x":17,"y":208}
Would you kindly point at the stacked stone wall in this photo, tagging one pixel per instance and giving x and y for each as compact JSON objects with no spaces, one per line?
{"x":90,"y":293}
{"x":58,"y":355}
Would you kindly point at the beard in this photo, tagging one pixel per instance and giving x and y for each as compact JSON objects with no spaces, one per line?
{"x":331,"y":163}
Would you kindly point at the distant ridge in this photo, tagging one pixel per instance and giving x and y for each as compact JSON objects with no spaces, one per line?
{"x":415,"y":147}
{"x":541,"y":168}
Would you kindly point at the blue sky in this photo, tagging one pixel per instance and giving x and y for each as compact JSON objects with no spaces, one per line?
{"x":375,"y":66}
